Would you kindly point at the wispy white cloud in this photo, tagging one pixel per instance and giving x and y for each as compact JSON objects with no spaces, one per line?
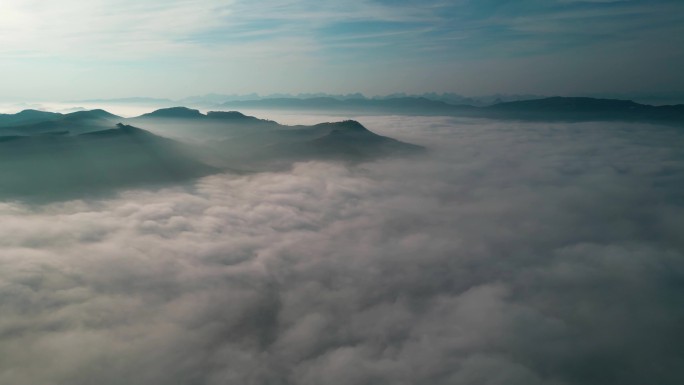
{"x":106,"y":28}
{"x":372,"y":39}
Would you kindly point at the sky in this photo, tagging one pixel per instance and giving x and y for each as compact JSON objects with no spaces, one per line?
{"x":70,"y":49}
{"x":511,"y":253}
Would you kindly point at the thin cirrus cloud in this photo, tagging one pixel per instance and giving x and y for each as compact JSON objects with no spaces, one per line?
{"x":117,"y":26}
{"x":72,"y":26}
{"x":98,"y":27}
{"x":306,"y":46}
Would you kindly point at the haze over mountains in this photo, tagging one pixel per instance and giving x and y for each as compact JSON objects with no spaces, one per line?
{"x":515,"y":107}
{"x":46,"y":153}
{"x":554,"y":108}
{"x":50,"y":155}
{"x":214,"y":99}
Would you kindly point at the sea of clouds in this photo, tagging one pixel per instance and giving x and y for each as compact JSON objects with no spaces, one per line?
{"x":513,"y":253}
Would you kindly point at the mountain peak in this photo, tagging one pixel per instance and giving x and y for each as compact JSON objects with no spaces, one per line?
{"x":33,"y":112}
{"x":346,"y":126}
{"x":175,"y":112}
{"x":229,"y":115}
{"x":120,"y":130}
{"x":352,"y":125}
{"x":129,"y":128}
{"x":91,"y":114}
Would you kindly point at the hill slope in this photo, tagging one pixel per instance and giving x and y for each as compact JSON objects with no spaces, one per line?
{"x":69,"y":166}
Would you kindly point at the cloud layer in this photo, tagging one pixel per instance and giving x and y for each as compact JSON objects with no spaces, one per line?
{"x":513,"y":254}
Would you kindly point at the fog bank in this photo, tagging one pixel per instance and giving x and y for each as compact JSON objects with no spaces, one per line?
{"x":513,"y":253}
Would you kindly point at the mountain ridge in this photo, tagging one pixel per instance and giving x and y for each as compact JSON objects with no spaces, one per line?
{"x":550,"y":108}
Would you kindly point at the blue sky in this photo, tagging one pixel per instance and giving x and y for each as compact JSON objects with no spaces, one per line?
{"x":173,"y":48}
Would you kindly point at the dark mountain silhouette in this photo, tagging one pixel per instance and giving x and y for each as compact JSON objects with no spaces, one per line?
{"x":552,"y":109}
{"x":174,"y":113}
{"x":578,"y":104}
{"x":212,"y":100}
{"x":189,"y":113}
{"x":238,"y":140}
{"x":405,"y":105}
{"x":191,"y":125}
{"x":90,"y":115}
{"x":347,"y":141}
{"x":233,"y":116}
{"x":27,"y":117}
{"x":581,"y":108}
{"x":350,"y":138}
{"x":72,"y":166}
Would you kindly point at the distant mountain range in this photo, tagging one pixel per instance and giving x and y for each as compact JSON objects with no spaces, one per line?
{"x":551,"y":109}
{"x":451,"y":98}
{"x":213,"y":100}
{"x":584,"y":109}
{"x":520,"y":107}
{"x":408,"y":105}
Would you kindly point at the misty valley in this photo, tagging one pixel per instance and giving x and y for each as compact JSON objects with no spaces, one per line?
{"x":181,"y":247}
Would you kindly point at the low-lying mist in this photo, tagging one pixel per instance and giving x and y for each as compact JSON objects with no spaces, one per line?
{"x":510,"y":253}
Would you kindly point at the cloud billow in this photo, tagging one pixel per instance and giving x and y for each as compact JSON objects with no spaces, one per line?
{"x":512,"y":254}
